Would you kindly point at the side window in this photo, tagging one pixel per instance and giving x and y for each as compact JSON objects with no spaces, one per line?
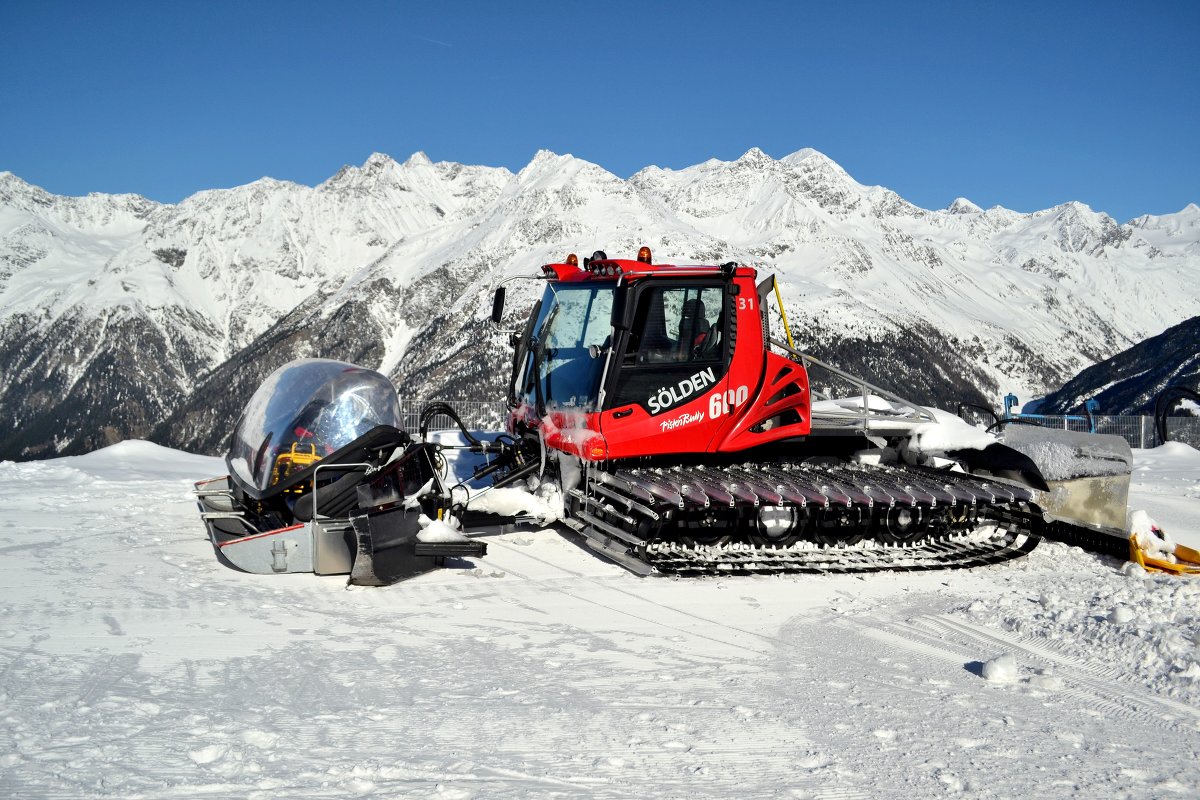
{"x":519,"y":383}
{"x":677,"y":325}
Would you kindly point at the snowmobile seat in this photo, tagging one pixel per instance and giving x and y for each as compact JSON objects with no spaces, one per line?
{"x":336,"y":499}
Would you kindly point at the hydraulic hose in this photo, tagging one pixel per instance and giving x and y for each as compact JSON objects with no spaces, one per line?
{"x":1000,"y":423}
{"x":1162,"y":408}
{"x":976,"y":407}
{"x":435,"y":409}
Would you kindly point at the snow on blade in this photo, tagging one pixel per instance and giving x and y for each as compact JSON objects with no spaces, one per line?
{"x":948,"y":433}
{"x":436,"y":530}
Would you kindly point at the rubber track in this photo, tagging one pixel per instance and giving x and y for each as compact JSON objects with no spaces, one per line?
{"x":626,"y":515}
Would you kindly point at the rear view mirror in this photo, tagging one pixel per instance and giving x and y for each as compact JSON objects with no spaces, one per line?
{"x":617,"y":318}
{"x":498,"y":305}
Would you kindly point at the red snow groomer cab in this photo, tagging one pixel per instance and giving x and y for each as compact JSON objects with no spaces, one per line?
{"x":628,"y":358}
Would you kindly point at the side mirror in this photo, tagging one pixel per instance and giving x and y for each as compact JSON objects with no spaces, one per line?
{"x":498,"y":305}
{"x":617,"y":317}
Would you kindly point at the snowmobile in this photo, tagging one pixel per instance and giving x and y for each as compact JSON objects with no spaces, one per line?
{"x":683,"y":439}
{"x":322,"y":479}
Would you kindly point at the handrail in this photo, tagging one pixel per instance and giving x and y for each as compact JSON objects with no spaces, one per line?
{"x":866,"y":415}
{"x":350,"y":466}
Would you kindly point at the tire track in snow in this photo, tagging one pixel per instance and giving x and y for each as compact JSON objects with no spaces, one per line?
{"x":1100,"y":680}
{"x":444,"y":717}
{"x":1093,"y":686}
{"x":772,"y":750}
{"x":608,"y":587}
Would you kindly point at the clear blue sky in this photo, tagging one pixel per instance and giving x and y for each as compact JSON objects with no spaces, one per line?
{"x":1023,"y":104}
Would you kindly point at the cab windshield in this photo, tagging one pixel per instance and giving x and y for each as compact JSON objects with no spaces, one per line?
{"x":570,"y":342}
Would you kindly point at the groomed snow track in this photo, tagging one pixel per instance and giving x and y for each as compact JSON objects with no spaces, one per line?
{"x":783,"y":517}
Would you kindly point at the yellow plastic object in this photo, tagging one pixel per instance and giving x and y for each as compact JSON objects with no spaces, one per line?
{"x":786,"y":327}
{"x":1187,"y":560}
{"x":288,"y":462}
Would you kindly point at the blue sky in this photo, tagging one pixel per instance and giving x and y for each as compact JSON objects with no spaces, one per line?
{"x":1022,"y":104}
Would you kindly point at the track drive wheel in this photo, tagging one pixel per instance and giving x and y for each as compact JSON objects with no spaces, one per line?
{"x":900,"y":525}
{"x":779,"y":526}
{"x":705,"y":532}
{"x":842,"y":526}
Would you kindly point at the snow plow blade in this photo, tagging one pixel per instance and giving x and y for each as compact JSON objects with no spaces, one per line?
{"x":1186,"y":561}
{"x":389,"y":550}
{"x":1084,"y":495}
{"x":387,"y":527}
{"x":1086,"y":474}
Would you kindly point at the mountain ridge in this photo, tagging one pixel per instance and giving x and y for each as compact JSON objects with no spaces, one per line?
{"x":392,"y":261}
{"x":1130,"y":381}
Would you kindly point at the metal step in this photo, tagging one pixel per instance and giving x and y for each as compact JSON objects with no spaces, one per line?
{"x":473,"y":549}
{"x":617,"y":552}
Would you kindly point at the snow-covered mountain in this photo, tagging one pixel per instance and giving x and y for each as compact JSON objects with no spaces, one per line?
{"x":1130,"y":381}
{"x":123,"y":317}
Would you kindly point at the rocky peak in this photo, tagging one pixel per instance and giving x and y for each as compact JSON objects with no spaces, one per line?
{"x":755,"y":157}
{"x":379,"y":167}
{"x":20,"y":194}
{"x":962,"y":205}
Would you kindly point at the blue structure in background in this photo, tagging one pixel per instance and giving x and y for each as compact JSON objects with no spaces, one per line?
{"x":1090,"y":407}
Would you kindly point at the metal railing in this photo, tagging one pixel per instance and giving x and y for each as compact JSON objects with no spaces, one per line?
{"x":900,"y":414}
{"x":1137,"y":430}
{"x":477,"y":415}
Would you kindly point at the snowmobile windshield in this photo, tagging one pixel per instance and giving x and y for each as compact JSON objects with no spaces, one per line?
{"x":571,"y":337}
{"x":304,"y":411}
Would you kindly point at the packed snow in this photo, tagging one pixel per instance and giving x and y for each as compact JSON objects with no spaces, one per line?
{"x":134,"y":665}
{"x":947,"y":433}
{"x":440,"y":530}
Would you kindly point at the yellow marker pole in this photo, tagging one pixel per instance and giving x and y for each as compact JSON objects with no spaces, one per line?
{"x":786,"y":327}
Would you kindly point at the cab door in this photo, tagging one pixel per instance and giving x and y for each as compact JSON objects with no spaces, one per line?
{"x":518,"y":385}
{"x":674,"y":360}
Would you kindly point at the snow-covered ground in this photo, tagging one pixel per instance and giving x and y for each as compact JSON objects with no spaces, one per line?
{"x":133,"y":665}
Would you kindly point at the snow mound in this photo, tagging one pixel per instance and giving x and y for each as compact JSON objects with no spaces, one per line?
{"x":1120,"y":615}
{"x":1172,"y":452}
{"x":1001,"y":669}
{"x":545,"y":505}
{"x":138,"y":460}
{"x":946,"y":434}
